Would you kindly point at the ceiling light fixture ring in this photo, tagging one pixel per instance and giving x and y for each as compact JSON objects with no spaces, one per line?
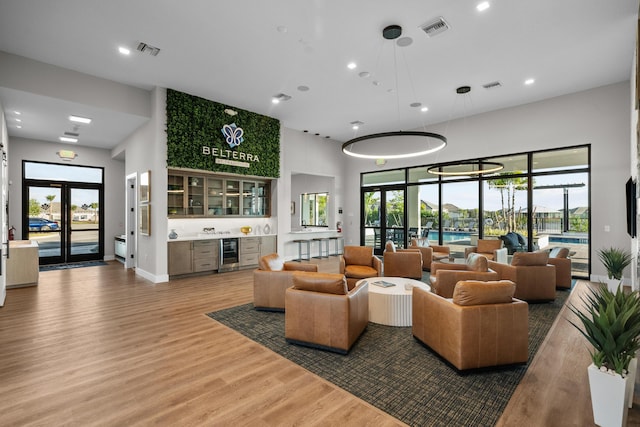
{"x":473,"y":167}
{"x":387,"y":139}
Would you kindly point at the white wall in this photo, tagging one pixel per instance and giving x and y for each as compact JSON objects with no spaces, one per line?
{"x":4,"y":141}
{"x":146,"y":150}
{"x":41,"y":151}
{"x":599,"y":117}
{"x":304,"y":153}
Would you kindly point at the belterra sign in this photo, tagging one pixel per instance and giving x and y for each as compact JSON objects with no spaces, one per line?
{"x":209,"y":136}
{"x":233,"y":136}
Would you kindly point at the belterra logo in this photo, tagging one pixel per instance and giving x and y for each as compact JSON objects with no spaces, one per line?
{"x":232,"y":134}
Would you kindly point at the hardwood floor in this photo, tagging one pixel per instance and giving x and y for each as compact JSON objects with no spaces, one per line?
{"x":100,"y":346}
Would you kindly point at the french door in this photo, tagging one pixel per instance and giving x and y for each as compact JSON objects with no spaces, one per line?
{"x":383,"y":216}
{"x":65,"y":219}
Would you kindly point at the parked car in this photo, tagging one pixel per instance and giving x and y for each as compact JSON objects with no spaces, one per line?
{"x":41,"y":224}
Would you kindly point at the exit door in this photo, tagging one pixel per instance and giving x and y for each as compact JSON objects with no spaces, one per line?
{"x":65,"y":219}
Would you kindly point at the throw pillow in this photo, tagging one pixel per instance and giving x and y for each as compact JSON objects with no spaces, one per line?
{"x":276,"y":264}
{"x":390,"y":246}
{"x":422,"y":242}
{"x":530,"y":258}
{"x":473,"y":292}
{"x":265,"y":261}
{"x":477,"y":262}
{"x":328,"y":283}
{"x":559,"y":252}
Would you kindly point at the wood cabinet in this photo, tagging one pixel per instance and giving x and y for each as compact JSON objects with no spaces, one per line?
{"x":205,"y":255}
{"x":180,"y":256}
{"x":249,"y":251}
{"x":267,"y":245}
{"x":210,"y":195}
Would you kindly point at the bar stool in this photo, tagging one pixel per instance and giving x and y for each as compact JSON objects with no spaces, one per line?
{"x":322,"y":253}
{"x":338,"y":245}
{"x":307,"y":255}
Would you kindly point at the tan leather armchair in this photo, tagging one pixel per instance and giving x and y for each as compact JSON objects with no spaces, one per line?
{"x":490,"y":248}
{"x":322,"y":313}
{"x":272,"y":278}
{"x":359,"y":262}
{"x":535,"y":279}
{"x":402,"y":262}
{"x":483,"y":325}
{"x":559,"y":257}
{"x":444,"y":276}
{"x":429,"y":252}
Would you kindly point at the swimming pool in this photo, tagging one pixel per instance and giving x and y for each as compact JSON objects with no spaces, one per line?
{"x":449,"y":236}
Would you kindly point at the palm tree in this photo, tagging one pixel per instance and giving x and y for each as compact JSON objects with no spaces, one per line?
{"x":509,"y":185}
{"x":94,"y":206}
{"x":50,"y":199}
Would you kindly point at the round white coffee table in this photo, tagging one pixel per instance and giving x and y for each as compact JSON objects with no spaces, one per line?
{"x":392,"y":305}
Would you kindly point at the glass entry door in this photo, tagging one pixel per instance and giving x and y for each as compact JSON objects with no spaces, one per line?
{"x":64,"y":218}
{"x":383,"y":212}
{"x":43,"y":221}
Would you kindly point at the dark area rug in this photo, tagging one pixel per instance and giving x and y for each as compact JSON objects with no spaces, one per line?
{"x":71,"y":265}
{"x":389,"y":369}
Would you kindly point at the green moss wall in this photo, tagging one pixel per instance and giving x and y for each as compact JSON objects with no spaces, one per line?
{"x":194,"y":123}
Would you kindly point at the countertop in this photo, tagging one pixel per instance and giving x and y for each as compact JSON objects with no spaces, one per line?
{"x":314,"y":230}
{"x":212,"y":236}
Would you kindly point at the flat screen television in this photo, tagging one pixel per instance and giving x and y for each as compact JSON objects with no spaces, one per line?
{"x":630,"y":188}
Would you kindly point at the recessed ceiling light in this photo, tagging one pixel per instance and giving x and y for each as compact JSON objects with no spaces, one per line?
{"x":19,"y":127}
{"x":282,"y":29}
{"x":404,"y":41}
{"x":18,"y":120}
{"x":483,"y":6}
{"x":376,"y":83}
{"x":79,"y":119}
{"x":355,"y":125}
{"x":17,"y":112}
{"x":424,"y":109}
{"x":529,"y":81}
{"x":123,"y":50}
{"x":351,"y":65}
{"x":364,"y":74}
{"x":280,"y":97}
{"x":67,"y":139}
{"x":303,"y":88}
{"x":275,"y":101}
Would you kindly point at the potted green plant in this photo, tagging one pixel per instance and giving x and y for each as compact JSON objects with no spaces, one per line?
{"x":615,"y":261}
{"x":611,"y":323}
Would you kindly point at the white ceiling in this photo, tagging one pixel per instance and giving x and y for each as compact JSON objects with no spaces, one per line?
{"x":232,"y":52}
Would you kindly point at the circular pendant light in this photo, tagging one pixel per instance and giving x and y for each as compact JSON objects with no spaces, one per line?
{"x":399,"y":144}
{"x":465,"y":168}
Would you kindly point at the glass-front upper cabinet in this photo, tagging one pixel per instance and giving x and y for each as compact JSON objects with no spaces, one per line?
{"x":195,"y":192}
{"x":209,"y":195}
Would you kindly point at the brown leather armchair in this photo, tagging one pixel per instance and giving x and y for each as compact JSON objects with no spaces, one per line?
{"x":429,"y":252}
{"x":483,"y":325}
{"x":402,"y":262}
{"x":490,"y":248}
{"x":535,"y":279}
{"x":322,"y":313}
{"x":559,"y":257}
{"x":359,"y":262}
{"x":444,"y":276}
{"x":272,"y":278}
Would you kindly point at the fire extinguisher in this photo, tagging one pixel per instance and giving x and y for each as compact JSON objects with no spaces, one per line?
{"x":12,"y":233}
{"x":339,"y":226}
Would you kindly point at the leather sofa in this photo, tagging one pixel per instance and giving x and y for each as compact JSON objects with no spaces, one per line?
{"x":490,"y":248}
{"x":559,"y":257}
{"x":270,"y":280}
{"x":359,"y":262}
{"x":429,"y":252}
{"x":322,"y":313}
{"x":402,"y":262}
{"x":444,"y":276}
{"x":534,"y":277}
{"x":481,"y":326}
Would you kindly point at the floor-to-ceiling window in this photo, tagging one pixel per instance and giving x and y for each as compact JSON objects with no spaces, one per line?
{"x":61,"y":208}
{"x":543,"y":196}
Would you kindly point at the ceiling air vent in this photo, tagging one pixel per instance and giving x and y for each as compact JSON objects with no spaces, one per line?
{"x":147,"y":48}
{"x":492,"y":85}
{"x":75,"y":134}
{"x":435,"y":27}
